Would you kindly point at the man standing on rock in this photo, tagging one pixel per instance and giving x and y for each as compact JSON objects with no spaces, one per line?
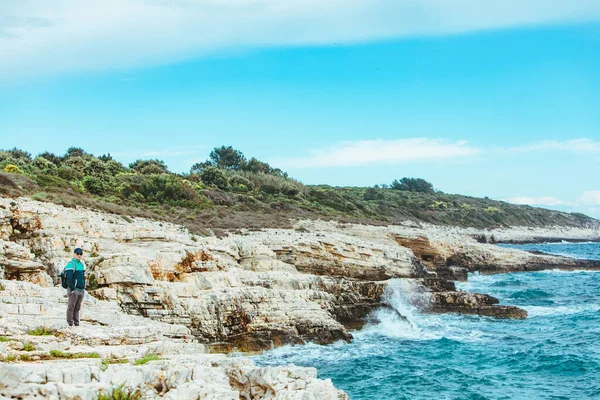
{"x":75,"y":271}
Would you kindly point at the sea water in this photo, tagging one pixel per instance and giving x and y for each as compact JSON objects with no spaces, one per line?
{"x":553,"y":354}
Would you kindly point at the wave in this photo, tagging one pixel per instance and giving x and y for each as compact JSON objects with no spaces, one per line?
{"x":543,"y":311}
{"x":403,"y":319}
{"x":531,"y":294}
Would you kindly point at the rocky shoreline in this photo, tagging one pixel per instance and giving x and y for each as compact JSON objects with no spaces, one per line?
{"x":191,"y":296}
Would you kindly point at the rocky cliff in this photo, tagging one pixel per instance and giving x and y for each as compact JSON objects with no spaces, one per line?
{"x":245,"y":292}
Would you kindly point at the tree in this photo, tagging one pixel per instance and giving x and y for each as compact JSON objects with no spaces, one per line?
{"x":105,"y":157}
{"x":20,"y":155}
{"x":53,"y":158}
{"x":74,"y":152}
{"x":413,"y":185}
{"x":255,"y":165}
{"x":199,"y":167}
{"x":147,"y":167}
{"x":227,"y":158}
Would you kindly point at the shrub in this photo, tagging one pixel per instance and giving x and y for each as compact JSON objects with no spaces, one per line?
{"x":273,"y":184}
{"x":269,"y":189}
{"x":237,"y":180}
{"x":158,"y":188}
{"x":289,"y":189}
{"x":372,"y":194}
{"x":77,"y":163}
{"x":149,"y":167}
{"x":4,"y":339}
{"x":96,"y":168}
{"x":53,"y":158}
{"x":13,"y":169}
{"x":114,"y":167}
{"x":68,"y":173}
{"x":94,"y":185}
{"x":43,"y":164}
{"x":216,"y":177}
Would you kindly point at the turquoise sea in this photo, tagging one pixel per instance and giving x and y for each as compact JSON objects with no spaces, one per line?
{"x":553,"y":354}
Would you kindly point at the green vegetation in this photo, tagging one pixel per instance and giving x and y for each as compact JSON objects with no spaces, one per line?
{"x":9,"y":358}
{"x":4,"y":339}
{"x":120,"y":393}
{"x":147,"y":358}
{"x":42,"y":331}
{"x":228,"y":191}
{"x":28,"y":346}
{"x":417,"y":185}
{"x":62,"y":354}
{"x":112,"y":360}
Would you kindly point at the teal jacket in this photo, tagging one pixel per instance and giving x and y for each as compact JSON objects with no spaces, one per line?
{"x":75,"y":275}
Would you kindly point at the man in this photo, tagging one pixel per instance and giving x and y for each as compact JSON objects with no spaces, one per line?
{"x":75,"y":271}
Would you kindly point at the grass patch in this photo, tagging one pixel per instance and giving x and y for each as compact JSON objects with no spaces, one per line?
{"x":25,"y":357}
{"x":4,"y":339}
{"x":62,"y":354}
{"x":147,"y":358}
{"x":28,"y":346}
{"x":120,"y":393}
{"x":2,"y":286}
{"x":10,"y":358}
{"x":42,"y":331}
{"x":112,"y":360}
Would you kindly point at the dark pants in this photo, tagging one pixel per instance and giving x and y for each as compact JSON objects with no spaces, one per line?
{"x":75,"y":299}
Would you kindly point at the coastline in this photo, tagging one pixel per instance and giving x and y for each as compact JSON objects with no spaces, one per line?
{"x":252,"y":290}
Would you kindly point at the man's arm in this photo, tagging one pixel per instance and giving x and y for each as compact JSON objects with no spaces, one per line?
{"x":70,"y":272}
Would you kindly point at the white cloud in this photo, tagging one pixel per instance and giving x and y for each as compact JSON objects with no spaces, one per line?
{"x":581,"y":145}
{"x":587,"y":199}
{"x":538,"y":201}
{"x":377,"y":152}
{"x":46,"y":37}
{"x":590,"y":198}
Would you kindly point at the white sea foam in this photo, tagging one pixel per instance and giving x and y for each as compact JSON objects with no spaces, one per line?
{"x":543,"y":311}
{"x":404,"y":320}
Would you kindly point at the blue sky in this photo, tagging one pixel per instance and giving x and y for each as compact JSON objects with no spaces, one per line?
{"x":499,"y":99}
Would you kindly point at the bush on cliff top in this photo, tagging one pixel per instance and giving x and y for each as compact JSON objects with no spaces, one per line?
{"x":229,"y":191}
